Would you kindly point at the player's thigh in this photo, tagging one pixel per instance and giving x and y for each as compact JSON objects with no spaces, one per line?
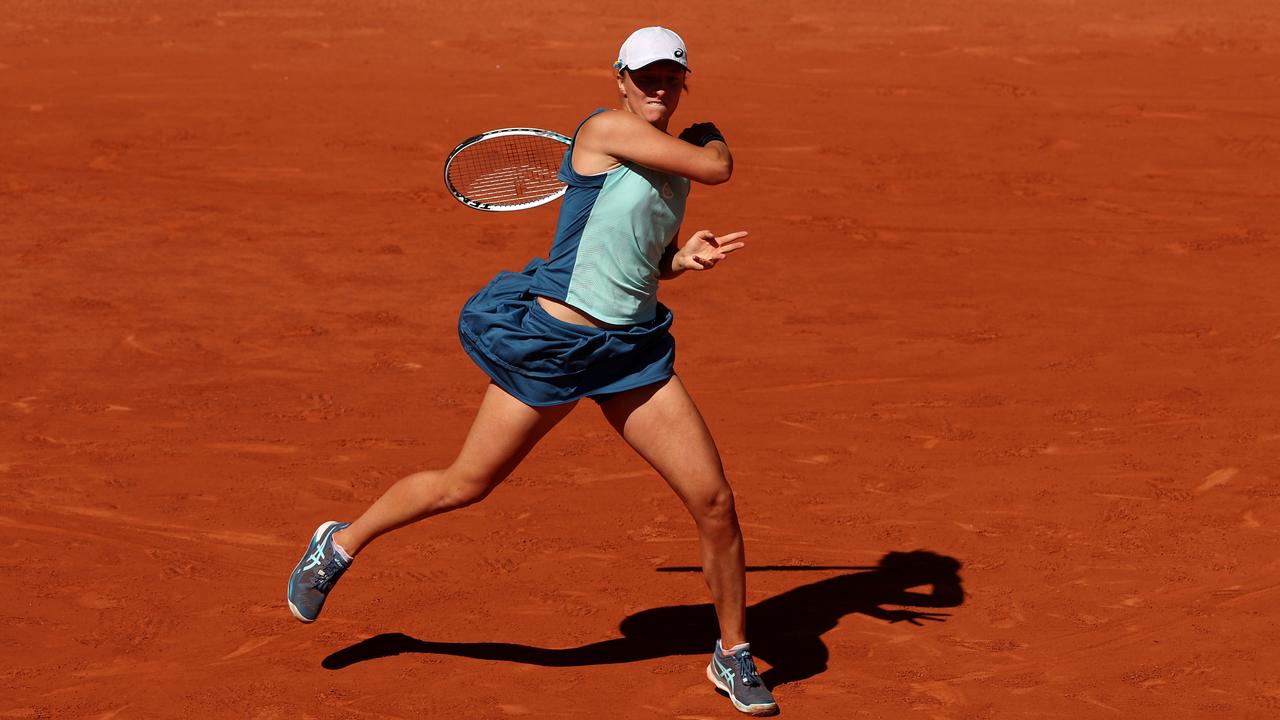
{"x":503,"y":432}
{"x":665,"y":427}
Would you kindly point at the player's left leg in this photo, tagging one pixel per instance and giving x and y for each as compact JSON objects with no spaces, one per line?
{"x":664,"y":426}
{"x":503,"y":432}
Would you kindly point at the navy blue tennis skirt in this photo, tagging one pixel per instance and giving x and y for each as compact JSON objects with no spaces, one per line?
{"x":545,"y":361}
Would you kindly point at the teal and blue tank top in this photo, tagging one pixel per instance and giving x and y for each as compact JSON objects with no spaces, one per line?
{"x":612,"y":231}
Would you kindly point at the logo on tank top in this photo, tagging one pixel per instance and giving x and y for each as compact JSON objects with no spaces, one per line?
{"x":667,"y":192}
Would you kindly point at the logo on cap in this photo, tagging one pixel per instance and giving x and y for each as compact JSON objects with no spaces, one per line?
{"x":679,"y":53}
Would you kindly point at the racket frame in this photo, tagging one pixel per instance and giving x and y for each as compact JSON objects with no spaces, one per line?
{"x":489,"y":135}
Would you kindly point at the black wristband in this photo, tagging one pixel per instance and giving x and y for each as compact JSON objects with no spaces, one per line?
{"x":711,"y":135}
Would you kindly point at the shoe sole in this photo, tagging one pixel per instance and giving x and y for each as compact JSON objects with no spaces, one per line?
{"x":315,"y":537}
{"x":770,"y":709}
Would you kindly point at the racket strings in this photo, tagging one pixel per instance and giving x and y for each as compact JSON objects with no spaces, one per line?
{"x":508,"y":170}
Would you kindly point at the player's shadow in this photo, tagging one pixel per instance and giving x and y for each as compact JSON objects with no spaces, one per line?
{"x":786,"y":629}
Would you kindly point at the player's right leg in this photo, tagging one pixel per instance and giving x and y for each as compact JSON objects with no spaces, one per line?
{"x":664,"y":425}
{"x":502,"y":434}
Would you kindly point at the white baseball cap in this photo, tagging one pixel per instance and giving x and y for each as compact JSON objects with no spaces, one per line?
{"x":649,"y":45}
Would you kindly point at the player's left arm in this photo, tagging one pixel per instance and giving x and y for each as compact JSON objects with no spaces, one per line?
{"x":702,"y":251}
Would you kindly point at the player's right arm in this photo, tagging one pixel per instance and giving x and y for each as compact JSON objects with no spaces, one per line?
{"x":618,"y":136}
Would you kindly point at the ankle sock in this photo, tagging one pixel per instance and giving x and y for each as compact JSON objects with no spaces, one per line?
{"x":342,"y":553}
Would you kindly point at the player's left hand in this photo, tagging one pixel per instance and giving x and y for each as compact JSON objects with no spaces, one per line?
{"x":704,"y":249}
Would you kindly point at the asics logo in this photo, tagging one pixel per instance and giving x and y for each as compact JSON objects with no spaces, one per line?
{"x":724,"y":672}
{"x":316,"y":558}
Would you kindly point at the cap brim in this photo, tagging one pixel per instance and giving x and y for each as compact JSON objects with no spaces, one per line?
{"x":646,"y":62}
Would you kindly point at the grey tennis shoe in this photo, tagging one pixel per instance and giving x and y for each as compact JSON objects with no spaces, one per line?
{"x":320,"y":567}
{"x":736,"y":676}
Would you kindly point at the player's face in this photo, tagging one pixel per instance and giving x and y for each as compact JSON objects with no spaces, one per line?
{"x":653,"y":91}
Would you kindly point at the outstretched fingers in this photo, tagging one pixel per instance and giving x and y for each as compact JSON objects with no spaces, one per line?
{"x":730,"y":242}
{"x":705,"y":248}
{"x":727,"y":242}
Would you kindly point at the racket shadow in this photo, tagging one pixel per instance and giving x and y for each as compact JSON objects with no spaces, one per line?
{"x":786,"y":629}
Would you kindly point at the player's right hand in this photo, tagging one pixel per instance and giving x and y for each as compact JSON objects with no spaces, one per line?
{"x":702,"y":133}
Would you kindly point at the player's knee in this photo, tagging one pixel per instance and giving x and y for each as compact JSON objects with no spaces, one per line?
{"x":715,"y":507}
{"x":468,"y":491}
{"x":468,"y":495}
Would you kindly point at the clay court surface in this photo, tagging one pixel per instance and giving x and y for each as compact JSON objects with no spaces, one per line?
{"x":1010,"y":301}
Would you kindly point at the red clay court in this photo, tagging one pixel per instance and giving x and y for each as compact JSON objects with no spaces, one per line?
{"x":995,"y":382}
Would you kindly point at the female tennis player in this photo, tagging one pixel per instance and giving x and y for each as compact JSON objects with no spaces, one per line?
{"x":586,"y":323}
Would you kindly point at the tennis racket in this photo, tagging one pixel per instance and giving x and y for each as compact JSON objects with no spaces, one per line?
{"x":507,"y":169}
